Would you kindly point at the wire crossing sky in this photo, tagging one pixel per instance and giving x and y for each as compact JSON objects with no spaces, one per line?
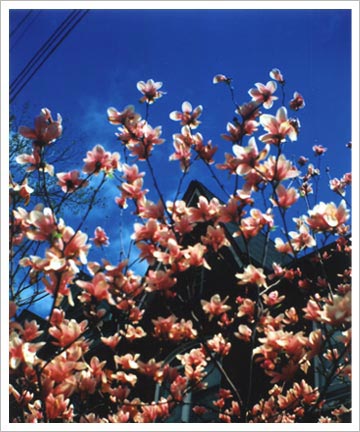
{"x":47,"y":49}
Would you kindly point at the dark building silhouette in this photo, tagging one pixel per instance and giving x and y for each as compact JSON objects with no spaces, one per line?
{"x":196,"y":284}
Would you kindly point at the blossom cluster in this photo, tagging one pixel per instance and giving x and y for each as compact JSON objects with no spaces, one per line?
{"x":121,"y":347}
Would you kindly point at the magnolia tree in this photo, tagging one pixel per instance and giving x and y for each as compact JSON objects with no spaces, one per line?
{"x":101,"y":355}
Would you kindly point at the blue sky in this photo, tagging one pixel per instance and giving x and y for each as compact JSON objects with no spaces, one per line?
{"x":100,"y":62}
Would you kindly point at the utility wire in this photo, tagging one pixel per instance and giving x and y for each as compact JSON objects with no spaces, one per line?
{"x":24,"y":31}
{"x":13,"y":97}
{"x":42,"y":50}
{"x":20,"y":23}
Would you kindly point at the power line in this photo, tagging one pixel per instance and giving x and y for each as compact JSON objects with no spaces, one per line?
{"x":24,"y":31}
{"x":43,"y":48}
{"x":12,"y":98}
{"x":20,"y":23}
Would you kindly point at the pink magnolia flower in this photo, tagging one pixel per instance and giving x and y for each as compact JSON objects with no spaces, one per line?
{"x":151,"y":369}
{"x":150,"y":90}
{"x":133,"y":190}
{"x":231,"y":163}
{"x":147,"y":252}
{"x":312,"y":310}
{"x":272,"y":299}
{"x":178,"y":209}
{"x":347,"y":178}
{"x":311,"y":172}
{"x":22,"y":352}
{"x":136,"y":315}
{"x":131,"y":333}
{"x":205,"y":210}
{"x":46,"y":130}
{"x":337,"y":311}
{"x":305,"y":189}
{"x":235,"y":132}
{"x":215,"y":306}
{"x":302,"y":160}
{"x":162,"y":326}
{"x":98,"y":288}
{"x":244,"y":333}
{"x":35,"y":163}
{"x":291,"y":316}
{"x":282,"y":247}
{"x":43,"y":224}
{"x":215,"y":237}
{"x":22,"y":190}
{"x":277,"y":75}
{"x":111,"y":341}
{"x":127,"y":361}
{"x":100,"y":237}
{"x":297,"y":102}
{"x":74,"y":244}
{"x":278,"y":127}
{"x":186,"y":136}
{"x":67,"y":332}
{"x":182,"y":330}
{"x":126,"y":117}
{"x":31,"y":331}
{"x":219,"y":345}
{"x":246,"y":308}
{"x":221,"y":78}
{"x":230,"y":212}
{"x":288,"y":344}
{"x":315,"y":343}
{"x":188,"y":116}
{"x":151,"y":136}
{"x":248,"y":157}
{"x":20,"y":225}
{"x":279,"y":169}
{"x":249,"y":127}
{"x":131,"y":173}
{"x":205,"y":151}
{"x":178,"y":388}
{"x":285,"y":198}
{"x":144,"y":141}
{"x":327,"y":217}
{"x":149,"y":231}
{"x":61,"y":368}
{"x":183,"y":154}
{"x":148,"y":209}
{"x":319,"y":150}
{"x":252,"y":225}
{"x":58,"y":407}
{"x":249,"y":111}
{"x":100,"y":160}
{"x":70,"y":181}
{"x":157,"y":280}
{"x":184,"y":225}
{"x":195,"y":256}
{"x":252,"y":275}
{"x":302,"y":239}
{"x":194,"y":363}
{"x":264,"y":93}
{"x":172,"y":254}
{"x":337,"y":186}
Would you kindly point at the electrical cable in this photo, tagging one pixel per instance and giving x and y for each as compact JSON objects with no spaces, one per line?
{"x":20,"y":23}
{"x":43,"y":48}
{"x":24,"y":31}
{"x":12,"y":98}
